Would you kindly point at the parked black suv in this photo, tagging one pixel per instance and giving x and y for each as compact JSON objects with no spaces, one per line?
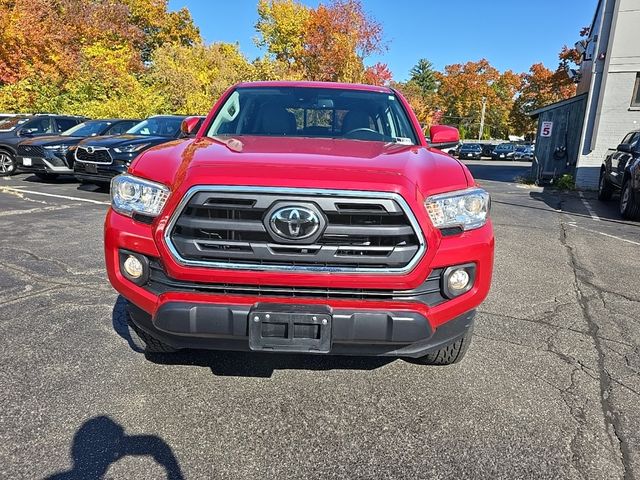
{"x":99,"y":159}
{"x":504,"y":151}
{"x":14,"y":130}
{"x":621,"y":171}
{"x":47,"y":156}
{"x":470,"y":151}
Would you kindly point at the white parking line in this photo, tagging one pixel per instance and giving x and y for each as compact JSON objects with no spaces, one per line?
{"x":573,"y":224}
{"x":36,"y":210}
{"x":587,"y":205}
{"x":66,"y":197}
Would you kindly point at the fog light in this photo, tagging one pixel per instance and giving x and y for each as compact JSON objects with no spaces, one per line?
{"x":459,"y":280}
{"x":133,"y":267}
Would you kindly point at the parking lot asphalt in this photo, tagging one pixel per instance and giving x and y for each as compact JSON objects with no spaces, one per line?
{"x":550,"y":387}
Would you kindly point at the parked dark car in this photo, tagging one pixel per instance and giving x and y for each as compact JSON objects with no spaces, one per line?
{"x":470,"y":151}
{"x":47,"y":156}
{"x":454,"y":151}
{"x":620,"y":171}
{"x":14,"y":130}
{"x":524,"y":153}
{"x":487,"y":149}
{"x":99,"y":159}
{"x":504,"y":151}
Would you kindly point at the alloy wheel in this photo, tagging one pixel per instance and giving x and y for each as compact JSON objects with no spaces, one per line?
{"x":6,"y":163}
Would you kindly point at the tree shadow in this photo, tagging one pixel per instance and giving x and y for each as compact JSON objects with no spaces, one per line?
{"x":101,"y":442}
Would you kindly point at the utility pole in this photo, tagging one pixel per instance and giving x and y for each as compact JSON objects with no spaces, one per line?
{"x":484,"y":110}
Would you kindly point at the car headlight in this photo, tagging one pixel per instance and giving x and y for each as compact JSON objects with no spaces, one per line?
{"x":131,"y":195}
{"x":60,"y":148}
{"x":131,"y":148}
{"x":466,"y":209}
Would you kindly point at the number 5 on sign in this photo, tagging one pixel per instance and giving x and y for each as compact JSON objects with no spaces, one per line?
{"x":546,"y":129}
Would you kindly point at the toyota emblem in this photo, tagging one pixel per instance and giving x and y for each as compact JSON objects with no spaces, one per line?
{"x":90,"y":149}
{"x":294,"y":223}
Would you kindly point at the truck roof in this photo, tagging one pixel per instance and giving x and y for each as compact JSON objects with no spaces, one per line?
{"x":306,"y":84}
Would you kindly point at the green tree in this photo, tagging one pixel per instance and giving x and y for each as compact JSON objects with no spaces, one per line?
{"x":424,"y":75}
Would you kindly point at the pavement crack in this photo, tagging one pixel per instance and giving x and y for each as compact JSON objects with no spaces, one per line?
{"x":611,"y":417}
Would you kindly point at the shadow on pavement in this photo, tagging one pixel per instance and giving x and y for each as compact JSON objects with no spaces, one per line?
{"x":262,"y":365}
{"x":101,"y":442}
{"x":585,"y":206}
{"x":120,"y":324}
{"x":498,"y":172}
{"x":62,"y":179}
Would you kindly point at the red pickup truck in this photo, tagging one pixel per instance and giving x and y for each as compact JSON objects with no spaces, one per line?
{"x":303,"y":217}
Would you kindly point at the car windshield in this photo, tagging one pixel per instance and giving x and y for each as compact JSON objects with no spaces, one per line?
{"x":470,"y":146}
{"x":86,"y":129}
{"x":160,"y":126}
{"x":12,"y":122}
{"x":522,"y":148}
{"x":314,"y":112}
{"x":505,"y":146}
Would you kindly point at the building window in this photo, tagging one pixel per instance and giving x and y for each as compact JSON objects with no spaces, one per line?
{"x":635,"y":101}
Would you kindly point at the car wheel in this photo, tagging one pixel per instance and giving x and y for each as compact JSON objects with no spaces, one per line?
{"x":7,"y":164}
{"x":448,"y":354}
{"x":605,"y":189}
{"x":46,"y":176}
{"x":152,"y":344}
{"x":629,"y":208}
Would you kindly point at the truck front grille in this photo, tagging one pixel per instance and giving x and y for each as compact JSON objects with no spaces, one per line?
{"x":358,"y":232}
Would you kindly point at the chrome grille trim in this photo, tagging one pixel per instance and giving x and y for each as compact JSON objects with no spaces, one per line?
{"x":295,"y":268}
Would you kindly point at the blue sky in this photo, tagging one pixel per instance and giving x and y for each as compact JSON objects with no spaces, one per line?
{"x":512,"y":34}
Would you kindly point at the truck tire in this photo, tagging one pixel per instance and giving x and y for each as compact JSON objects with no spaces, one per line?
{"x":448,"y":354}
{"x":629,"y":208}
{"x":605,"y":189}
{"x":152,"y":344}
{"x":7,"y":164}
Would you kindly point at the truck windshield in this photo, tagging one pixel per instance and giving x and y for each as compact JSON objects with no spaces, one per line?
{"x":314,"y":112}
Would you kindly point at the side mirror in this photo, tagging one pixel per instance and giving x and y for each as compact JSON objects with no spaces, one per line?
{"x":27,"y":132}
{"x":190,"y":126}
{"x":624,"y":147}
{"x":443,"y":136}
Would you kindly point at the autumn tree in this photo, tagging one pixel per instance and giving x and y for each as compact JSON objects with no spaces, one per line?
{"x":191,"y":78}
{"x":327,"y":43}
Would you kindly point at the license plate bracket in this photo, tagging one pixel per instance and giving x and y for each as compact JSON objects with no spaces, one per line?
{"x":91,"y":168}
{"x":290,"y":328}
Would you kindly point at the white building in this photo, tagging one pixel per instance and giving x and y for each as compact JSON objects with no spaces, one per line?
{"x":607,"y":105}
{"x":610,"y":75}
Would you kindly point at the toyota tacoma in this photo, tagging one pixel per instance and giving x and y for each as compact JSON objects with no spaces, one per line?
{"x":303,"y":217}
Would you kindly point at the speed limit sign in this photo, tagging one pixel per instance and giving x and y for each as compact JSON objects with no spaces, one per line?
{"x":546,"y":129}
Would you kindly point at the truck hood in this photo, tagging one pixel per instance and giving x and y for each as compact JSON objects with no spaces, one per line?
{"x":301,"y":162}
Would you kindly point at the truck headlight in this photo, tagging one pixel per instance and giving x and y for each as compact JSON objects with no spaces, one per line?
{"x":131,"y":195}
{"x":466,"y":209}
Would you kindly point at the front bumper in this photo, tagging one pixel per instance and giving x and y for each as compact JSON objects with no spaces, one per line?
{"x":354,"y":332}
{"x":97,"y":172}
{"x":49,"y":164}
{"x":375,"y":314}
